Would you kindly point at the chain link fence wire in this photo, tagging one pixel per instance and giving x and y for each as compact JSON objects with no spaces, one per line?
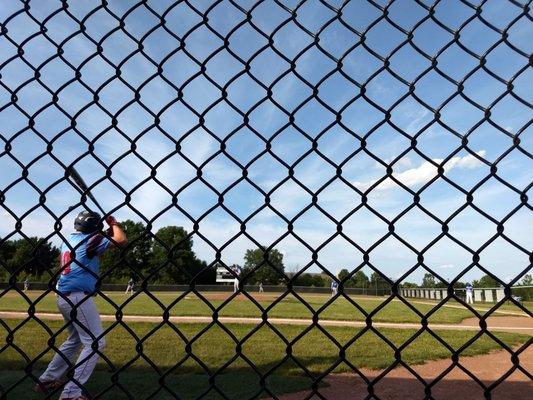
{"x":84,"y":84}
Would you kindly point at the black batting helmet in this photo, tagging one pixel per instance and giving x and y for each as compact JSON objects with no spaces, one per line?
{"x":88,"y":222}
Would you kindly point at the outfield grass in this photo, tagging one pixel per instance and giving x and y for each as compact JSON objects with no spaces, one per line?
{"x":289,"y":307}
{"x":215,"y":348}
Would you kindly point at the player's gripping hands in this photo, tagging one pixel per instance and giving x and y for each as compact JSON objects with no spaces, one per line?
{"x":115,"y":232}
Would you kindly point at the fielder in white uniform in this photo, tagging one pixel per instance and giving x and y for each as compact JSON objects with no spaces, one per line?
{"x":469,"y":294}
{"x":131,"y":285}
{"x":237,"y":271}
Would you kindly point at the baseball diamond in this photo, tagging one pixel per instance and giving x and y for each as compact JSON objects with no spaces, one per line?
{"x":266,"y":199}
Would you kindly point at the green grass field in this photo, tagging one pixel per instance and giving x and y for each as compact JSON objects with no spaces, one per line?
{"x":215,"y":351}
{"x":289,"y":307}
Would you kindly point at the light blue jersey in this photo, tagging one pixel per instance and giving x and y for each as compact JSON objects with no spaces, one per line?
{"x":80,"y":262}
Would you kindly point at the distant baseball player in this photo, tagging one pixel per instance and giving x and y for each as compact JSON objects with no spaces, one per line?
{"x":131,"y":285}
{"x":334,"y":288}
{"x":237,"y":271}
{"x":79,"y":273}
{"x":26,"y":285}
{"x":469,"y":294}
{"x":261,"y":290}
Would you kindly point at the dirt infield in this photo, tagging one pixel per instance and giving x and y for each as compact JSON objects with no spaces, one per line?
{"x":401,"y":384}
{"x":500,"y":321}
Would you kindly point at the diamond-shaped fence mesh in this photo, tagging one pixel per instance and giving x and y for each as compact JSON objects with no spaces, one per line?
{"x":384,"y":138}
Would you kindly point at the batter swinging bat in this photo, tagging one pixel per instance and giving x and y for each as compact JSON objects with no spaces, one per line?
{"x":83,"y":186}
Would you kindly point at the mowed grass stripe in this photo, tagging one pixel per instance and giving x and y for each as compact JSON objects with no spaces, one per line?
{"x":289,"y":307}
{"x":265,"y":348}
{"x":215,"y":348}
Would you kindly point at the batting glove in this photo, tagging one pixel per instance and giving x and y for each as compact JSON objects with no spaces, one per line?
{"x":111,"y":220}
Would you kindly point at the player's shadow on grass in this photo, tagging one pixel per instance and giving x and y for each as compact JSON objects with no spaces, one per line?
{"x":141,"y":383}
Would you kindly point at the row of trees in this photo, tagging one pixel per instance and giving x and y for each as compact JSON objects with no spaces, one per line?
{"x":168,"y":258}
{"x":33,"y":256}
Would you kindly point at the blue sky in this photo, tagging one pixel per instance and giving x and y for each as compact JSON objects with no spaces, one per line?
{"x":163,"y":116}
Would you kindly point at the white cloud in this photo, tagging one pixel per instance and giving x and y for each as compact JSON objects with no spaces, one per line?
{"x":424,"y":173}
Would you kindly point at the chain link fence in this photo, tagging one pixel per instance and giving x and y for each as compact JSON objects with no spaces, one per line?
{"x":113,"y":88}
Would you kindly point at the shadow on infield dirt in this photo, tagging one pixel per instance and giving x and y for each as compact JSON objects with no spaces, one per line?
{"x":400,"y":383}
{"x":344,"y":387}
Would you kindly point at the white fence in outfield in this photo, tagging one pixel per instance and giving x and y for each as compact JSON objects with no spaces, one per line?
{"x":486,"y":295}
{"x":481,"y":295}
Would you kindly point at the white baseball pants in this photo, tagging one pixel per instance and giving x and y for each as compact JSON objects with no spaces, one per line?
{"x":83,"y":333}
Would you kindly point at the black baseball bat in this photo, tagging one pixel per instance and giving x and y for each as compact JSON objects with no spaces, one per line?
{"x":76,"y":177}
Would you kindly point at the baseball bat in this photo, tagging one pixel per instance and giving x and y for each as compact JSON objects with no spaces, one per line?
{"x":76,"y":177}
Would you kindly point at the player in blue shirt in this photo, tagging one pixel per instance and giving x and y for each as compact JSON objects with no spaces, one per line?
{"x":77,"y":284}
{"x":334,"y":288}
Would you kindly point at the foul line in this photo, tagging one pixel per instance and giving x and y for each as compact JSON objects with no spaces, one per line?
{"x":274,"y":321}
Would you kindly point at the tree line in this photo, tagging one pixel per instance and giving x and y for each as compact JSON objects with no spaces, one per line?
{"x":167,"y":257}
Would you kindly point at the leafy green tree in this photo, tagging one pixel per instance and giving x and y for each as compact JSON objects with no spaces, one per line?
{"x":206,"y":275}
{"x":486,"y":281}
{"x":429,"y":281}
{"x":409,"y":285}
{"x":7,"y":249}
{"x":378,"y":282}
{"x":270,"y":268}
{"x":131,"y":261}
{"x":172,"y":256}
{"x":318,"y":281}
{"x":343,"y":273}
{"x":304,"y":280}
{"x":32,"y":256}
{"x":527,"y":280}
{"x":360,"y":280}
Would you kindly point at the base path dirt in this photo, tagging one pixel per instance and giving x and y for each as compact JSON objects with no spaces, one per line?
{"x":401,"y":384}
{"x":497,"y":324}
